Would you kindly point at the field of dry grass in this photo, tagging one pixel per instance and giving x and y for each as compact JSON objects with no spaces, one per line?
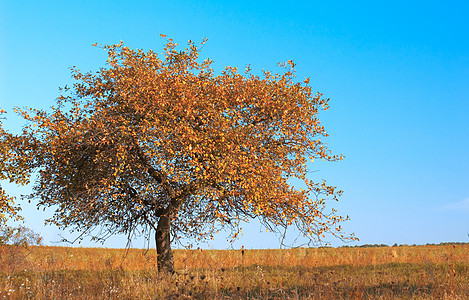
{"x":405,"y":272}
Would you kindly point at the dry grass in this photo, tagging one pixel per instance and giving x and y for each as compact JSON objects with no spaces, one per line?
{"x":419,"y":272}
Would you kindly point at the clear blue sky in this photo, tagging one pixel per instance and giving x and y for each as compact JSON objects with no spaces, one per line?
{"x":397,"y":74}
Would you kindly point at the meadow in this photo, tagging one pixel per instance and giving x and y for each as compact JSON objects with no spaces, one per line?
{"x":401,"y":272}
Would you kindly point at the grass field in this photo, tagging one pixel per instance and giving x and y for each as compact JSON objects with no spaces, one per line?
{"x":404,"y":272}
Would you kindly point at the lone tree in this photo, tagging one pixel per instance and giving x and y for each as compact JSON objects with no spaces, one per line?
{"x":162,"y":144}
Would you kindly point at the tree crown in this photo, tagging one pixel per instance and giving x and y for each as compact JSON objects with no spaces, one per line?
{"x":154,"y":135}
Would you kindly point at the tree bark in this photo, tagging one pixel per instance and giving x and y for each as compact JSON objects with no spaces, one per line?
{"x":163,"y":245}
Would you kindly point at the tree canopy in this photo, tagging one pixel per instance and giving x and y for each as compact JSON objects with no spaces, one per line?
{"x":14,"y":168}
{"x":159,"y":143}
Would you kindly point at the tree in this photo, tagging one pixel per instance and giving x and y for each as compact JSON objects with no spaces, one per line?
{"x":19,"y":236}
{"x":162,"y":144}
{"x":14,"y":167}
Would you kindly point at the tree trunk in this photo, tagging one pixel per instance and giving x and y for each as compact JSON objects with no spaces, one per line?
{"x":163,"y":245}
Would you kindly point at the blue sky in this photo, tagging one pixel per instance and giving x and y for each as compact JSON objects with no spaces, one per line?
{"x":397,"y":74}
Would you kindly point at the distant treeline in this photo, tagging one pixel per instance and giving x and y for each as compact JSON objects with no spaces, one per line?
{"x":396,"y":245}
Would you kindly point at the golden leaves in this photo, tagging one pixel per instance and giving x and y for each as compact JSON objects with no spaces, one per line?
{"x":14,"y":167}
{"x":153,"y":133}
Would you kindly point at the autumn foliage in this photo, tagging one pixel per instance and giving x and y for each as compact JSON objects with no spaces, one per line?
{"x":14,"y":168}
{"x":7,"y":208}
{"x":159,"y":143}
